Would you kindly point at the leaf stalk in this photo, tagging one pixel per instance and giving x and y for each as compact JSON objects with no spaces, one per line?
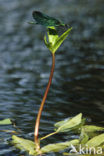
{"x":36,"y":130}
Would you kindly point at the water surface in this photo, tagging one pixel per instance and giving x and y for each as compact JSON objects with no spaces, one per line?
{"x":78,"y":83}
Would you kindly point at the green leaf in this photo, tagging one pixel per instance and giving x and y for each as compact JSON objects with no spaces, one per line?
{"x":46,"y":43}
{"x":92,"y":128}
{"x":96,"y":141}
{"x":103,"y":147}
{"x":52,"y":35}
{"x":59,"y":146}
{"x":67,"y":125}
{"x":5,"y":122}
{"x":54,"y":41}
{"x":66,"y":153}
{"x":24,"y":144}
{"x":70,"y":154}
{"x":83,"y":137}
{"x":29,"y":146}
{"x":60,"y":40}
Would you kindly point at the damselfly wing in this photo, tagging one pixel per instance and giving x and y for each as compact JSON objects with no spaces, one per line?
{"x":46,"y":20}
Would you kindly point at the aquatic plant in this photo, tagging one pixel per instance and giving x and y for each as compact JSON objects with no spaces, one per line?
{"x":53,"y":43}
{"x":89,"y":135}
{"x":89,"y":143}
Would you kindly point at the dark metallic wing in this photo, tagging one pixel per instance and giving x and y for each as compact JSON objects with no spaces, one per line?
{"x":46,"y":20}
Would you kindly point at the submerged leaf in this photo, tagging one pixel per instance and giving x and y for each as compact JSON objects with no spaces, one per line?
{"x":96,"y":141}
{"x":67,"y":125}
{"x":5,"y":122}
{"x":59,"y":146}
{"x":24,"y":144}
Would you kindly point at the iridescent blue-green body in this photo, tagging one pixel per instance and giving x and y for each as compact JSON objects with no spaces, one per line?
{"x":46,"y":20}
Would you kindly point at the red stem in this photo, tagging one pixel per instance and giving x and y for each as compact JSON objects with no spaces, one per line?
{"x":36,"y":131}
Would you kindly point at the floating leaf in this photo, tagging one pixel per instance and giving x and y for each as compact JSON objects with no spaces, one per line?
{"x":59,"y":146}
{"x":5,"y":122}
{"x":92,"y":128}
{"x":29,"y":146}
{"x":69,"y":124}
{"x":24,"y":144}
{"x":96,"y":141}
{"x":60,"y":123}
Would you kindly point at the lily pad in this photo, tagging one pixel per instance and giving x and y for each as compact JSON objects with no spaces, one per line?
{"x":5,"y":122}
{"x":67,"y":125}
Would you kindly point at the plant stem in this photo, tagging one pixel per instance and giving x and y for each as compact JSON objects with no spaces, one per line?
{"x":48,"y":135}
{"x":36,"y":131}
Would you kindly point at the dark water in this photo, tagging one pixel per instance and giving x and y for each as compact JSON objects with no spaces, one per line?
{"x":78,"y":83}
